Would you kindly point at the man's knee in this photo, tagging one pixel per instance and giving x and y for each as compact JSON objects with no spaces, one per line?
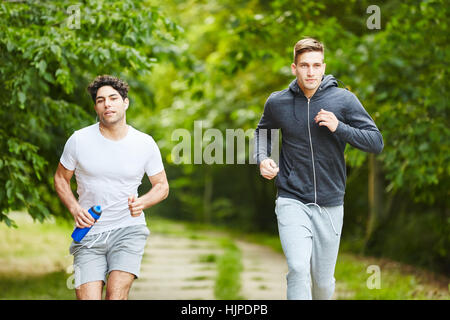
{"x":299,"y":271}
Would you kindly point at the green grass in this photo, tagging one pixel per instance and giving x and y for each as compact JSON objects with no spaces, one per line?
{"x":198,"y":278}
{"x":48,"y":286}
{"x":396,"y":281}
{"x":34,"y":259}
{"x":229,"y":267}
{"x":208,"y":258}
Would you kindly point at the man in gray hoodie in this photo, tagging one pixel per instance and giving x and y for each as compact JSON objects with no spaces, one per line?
{"x":317,"y":119}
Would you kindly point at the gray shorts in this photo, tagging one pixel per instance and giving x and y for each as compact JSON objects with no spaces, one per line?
{"x":99,"y":254}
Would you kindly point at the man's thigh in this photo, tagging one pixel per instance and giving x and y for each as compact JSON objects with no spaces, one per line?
{"x":124,"y":259}
{"x":126,"y":248}
{"x":90,"y":263}
{"x":327,"y":227}
{"x":90,"y":291}
{"x":294,"y":227}
{"x":118,"y":285}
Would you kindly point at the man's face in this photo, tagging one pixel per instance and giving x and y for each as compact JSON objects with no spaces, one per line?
{"x":309,"y":70}
{"x":110,"y":106}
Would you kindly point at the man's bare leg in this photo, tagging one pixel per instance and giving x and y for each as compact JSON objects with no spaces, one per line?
{"x":118,"y":285}
{"x":90,"y":291}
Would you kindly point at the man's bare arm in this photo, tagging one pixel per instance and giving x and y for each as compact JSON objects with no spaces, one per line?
{"x":62,"y":186}
{"x":158,"y":192}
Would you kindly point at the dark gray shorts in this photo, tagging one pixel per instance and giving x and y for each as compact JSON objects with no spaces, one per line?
{"x":99,"y":254}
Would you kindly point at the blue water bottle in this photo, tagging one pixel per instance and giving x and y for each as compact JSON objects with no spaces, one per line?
{"x":79,"y":233}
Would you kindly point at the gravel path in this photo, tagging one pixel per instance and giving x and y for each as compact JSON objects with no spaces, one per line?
{"x":264,"y":273}
{"x":178,"y":268}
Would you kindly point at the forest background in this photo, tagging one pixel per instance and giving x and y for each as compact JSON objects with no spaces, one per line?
{"x":214,"y":63}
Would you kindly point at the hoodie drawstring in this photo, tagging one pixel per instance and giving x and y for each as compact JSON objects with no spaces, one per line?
{"x":329,"y":216}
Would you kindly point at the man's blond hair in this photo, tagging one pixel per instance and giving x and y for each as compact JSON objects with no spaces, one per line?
{"x":306,"y":45}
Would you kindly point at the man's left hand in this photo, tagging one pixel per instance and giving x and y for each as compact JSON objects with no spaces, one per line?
{"x":328,"y":119}
{"x":135,"y":205}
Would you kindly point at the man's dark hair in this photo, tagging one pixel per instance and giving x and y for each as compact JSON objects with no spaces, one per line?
{"x":106,"y":80}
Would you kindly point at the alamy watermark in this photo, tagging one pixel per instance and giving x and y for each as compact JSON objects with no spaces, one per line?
{"x":74,"y":271}
{"x":208,"y":146}
{"x":374,"y":20}
{"x":73,"y":21}
{"x":374,"y":281}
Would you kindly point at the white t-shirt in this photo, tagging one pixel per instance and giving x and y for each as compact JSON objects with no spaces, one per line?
{"x":109,"y":171}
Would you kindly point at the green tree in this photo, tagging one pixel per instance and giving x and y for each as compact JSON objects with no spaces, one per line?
{"x":49,"y":52}
{"x":239,"y":52}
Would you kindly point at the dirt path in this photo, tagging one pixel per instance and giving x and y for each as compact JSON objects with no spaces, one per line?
{"x":264,"y":273}
{"x":178,"y":268}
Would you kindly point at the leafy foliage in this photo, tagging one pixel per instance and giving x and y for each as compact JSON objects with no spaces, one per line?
{"x":217,"y":61}
{"x":47,"y":59}
{"x":237,"y":53}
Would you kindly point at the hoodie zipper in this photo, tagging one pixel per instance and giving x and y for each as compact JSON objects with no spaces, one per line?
{"x":312,"y":156}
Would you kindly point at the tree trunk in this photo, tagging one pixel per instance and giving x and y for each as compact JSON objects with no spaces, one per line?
{"x":377,"y":208}
{"x":207,"y":195}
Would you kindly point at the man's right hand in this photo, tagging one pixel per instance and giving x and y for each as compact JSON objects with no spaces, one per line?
{"x":83,"y":218}
{"x":268,"y":169}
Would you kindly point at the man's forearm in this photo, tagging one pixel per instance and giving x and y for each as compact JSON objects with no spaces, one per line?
{"x":262,"y":144}
{"x":157,"y":193}
{"x":365,"y":140}
{"x":65,"y":193}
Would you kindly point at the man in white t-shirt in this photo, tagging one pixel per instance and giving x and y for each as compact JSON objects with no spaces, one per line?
{"x":109,"y":160}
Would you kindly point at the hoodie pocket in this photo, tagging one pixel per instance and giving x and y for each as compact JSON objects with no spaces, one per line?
{"x":332,"y":176}
{"x":299,"y":180}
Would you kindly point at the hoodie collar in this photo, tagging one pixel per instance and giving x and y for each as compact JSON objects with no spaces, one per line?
{"x":328,"y":81}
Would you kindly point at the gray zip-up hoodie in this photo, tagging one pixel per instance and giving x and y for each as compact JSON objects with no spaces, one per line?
{"x":312,"y":164}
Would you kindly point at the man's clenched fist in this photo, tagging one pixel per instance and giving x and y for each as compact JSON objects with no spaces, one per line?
{"x":135,"y":205}
{"x":268,"y":169}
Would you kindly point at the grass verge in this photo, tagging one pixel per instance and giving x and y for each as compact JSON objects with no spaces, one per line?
{"x":34,"y":259}
{"x":229,"y":267}
{"x":47,"y":286}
